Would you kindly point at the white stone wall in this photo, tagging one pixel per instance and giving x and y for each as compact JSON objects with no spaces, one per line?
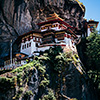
{"x":26,"y":50}
{"x":33,"y":47}
{"x":89,"y":31}
{"x":30,"y":49}
{"x":44,"y":48}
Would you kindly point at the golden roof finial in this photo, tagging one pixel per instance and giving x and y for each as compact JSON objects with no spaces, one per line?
{"x":54,"y":16}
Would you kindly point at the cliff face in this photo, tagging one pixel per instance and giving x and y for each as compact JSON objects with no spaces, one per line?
{"x":21,"y":16}
{"x":52,"y":76}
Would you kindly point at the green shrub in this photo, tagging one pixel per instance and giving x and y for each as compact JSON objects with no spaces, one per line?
{"x":6,"y":83}
{"x":21,"y":90}
{"x":49,"y":96}
{"x":44,"y":83}
{"x":28,"y":93}
{"x":42,"y":69}
{"x":43,"y":58}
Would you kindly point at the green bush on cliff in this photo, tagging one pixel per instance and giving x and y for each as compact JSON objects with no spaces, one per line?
{"x":27,"y":95}
{"x":54,"y":62}
{"x":44,"y":57}
{"x":6,"y":83}
{"x":73,"y":99}
{"x":93,"y":51}
{"x":42,"y":69}
{"x":93,"y":58}
{"x":20,"y":69}
{"x":44,"y":83}
{"x":49,"y":96}
{"x":18,"y":94}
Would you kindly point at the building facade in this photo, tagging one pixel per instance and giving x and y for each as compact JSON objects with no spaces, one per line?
{"x":54,"y":31}
{"x":91,"y":25}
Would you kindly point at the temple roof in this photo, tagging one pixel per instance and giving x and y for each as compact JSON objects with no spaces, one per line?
{"x":57,"y":20}
{"x":54,"y":18}
{"x":93,"y":22}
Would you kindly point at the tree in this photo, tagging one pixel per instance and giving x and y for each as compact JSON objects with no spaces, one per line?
{"x":93,"y":58}
{"x":93,"y":51}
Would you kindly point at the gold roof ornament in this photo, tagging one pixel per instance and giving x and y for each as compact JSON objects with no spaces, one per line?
{"x":54,"y":16}
{"x":93,"y":23}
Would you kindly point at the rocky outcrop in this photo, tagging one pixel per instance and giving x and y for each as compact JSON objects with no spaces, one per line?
{"x":21,"y":16}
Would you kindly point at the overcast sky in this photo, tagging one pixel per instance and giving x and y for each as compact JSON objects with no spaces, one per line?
{"x":92,"y":10}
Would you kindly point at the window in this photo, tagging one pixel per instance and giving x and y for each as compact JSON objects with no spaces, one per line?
{"x":37,"y":39}
{"x":27,"y":45}
{"x":36,"y":44}
{"x":23,"y":47}
{"x":30,"y":44}
{"x":33,"y":38}
{"x":57,"y":25}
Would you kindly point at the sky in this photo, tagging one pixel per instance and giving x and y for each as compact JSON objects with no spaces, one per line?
{"x":92,"y":10}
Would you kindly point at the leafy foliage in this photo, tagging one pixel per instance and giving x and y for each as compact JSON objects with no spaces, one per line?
{"x":6,"y":83}
{"x":28,"y":93}
{"x":44,"y":83}
{"x":93,"y":51}
{"x":49,"y":96}
{"x":50,"y":66}
{"x":93,"y":61}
